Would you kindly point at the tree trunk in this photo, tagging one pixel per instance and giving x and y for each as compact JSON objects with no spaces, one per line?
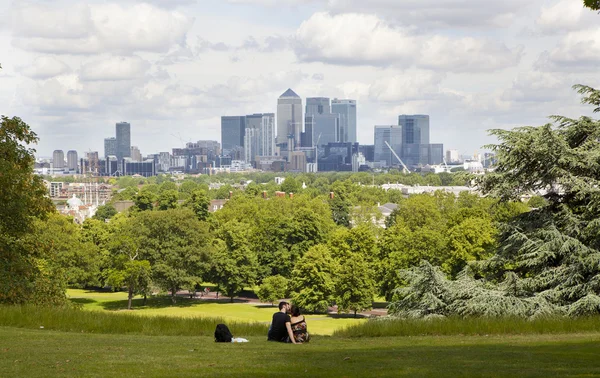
{"x":129,"y":297}
{"x":231,"y":299}
{"x":145,"y":298}
{"x":173,"y":293}
{"x":355,"y":313}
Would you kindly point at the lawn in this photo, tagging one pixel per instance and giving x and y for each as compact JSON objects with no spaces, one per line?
{"x":185,"y":307}
{"x":45,"y":353}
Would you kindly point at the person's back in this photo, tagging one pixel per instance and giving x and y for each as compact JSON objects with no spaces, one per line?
{"x":299,"y":327}
{"x":279,"y":330}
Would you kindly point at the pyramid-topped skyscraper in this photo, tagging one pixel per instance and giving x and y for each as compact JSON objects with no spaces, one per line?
{"x":289,"y":120}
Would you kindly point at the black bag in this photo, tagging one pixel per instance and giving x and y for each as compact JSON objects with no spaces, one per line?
{"x":222,"y":334}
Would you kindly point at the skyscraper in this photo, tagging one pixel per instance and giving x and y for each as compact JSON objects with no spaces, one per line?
{"x":110,"y":147}
{"x":415,"y":140}
{"x":347,"y":111}
{"x":317,"y":105}
{"x":393,"y":136}
{"x":72,"y":160}
{"x":135,"y":154}
{"x":267,"y":135}
{"x":325,"y":128}
{"x":289,"y":119}
{"x":123,"y":140}
{"x":58,"y":159}
{"x":232,"y":133}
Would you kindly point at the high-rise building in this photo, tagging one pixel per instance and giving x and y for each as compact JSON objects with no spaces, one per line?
{"x":72,"y":160}
{"x":416,"y":147}
{"x":289,"y":119}
{"x":393,"y":136}
{"x":58,"y":159}
{"x":325,"y":129}
{"x":164,"y":161}
{"x":232,"y":133}
{"x":317,"y":105}
{"x":267,"y":135}
{"x":135,"y":154}
{"x":110,"y":147}
{"x":452,"y":156}
{"x":251,"y":144}
{"x":123,"y":140}
{"x":347,"y":111}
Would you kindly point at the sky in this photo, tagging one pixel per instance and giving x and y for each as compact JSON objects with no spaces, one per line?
{"x":172,"y":68}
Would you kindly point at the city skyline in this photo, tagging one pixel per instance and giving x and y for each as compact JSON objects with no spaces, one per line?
{"x":471,"y":65}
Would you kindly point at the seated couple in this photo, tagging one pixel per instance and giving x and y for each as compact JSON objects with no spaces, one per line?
{"x":288,"y":329}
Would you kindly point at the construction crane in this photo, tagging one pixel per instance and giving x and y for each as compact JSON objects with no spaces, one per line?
{"x":317,"y":152}
{"x":404,"y":167}
{"x":446,"y":165}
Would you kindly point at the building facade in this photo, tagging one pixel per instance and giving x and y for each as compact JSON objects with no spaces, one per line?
{"x":232,"y":133}
{"x":347,"y":111}
{"x":72,"y":162}
{"x":267,"y":135}
{"x":58,"y":159}
{"x":110,"y":147}
{"x":123,"y":133}
{"x":289,"y":120}
{"x":391,"y":134}
{"x":135,"y":153}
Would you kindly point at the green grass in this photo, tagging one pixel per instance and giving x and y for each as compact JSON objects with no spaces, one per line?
{"x":45,"y":353}
{"x":477,"y":326}
{"x":190,"y":308}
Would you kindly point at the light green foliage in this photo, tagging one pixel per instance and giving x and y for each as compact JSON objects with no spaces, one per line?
{"x":168,"y":199}
{"x":166,"y":186}
{"x":134,"y":275}
{"x":252,"y":189}
{"x":312,"y":283}
{"x":188,"y":186}
{"x":472,"y":239}
{"x":272,"y":289}
{"x":199,"y":204}
{"x":291,"y":185}
{"x":354,"y":286}
{"x":234,"y":264}
{"x":105,"y":212}
{"x":26,"y":275}
{"x":536,"y":202}
{"x":340,"y":210}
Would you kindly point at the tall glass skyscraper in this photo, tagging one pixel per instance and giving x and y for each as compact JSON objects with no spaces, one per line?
{"x":110,"y":147}
{"x":317,"y":105}
{"x":123,"y":140}
{"x":58,"y":159}
{"x":289,"y":118}
{"x":232,"y":133}
{"x":393,"y":135}
{"x":72,"y":160}
{"x":267,"y":135}
{"x":347,"y":111}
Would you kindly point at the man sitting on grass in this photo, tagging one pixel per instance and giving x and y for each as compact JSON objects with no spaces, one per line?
{"x":281,"y":325}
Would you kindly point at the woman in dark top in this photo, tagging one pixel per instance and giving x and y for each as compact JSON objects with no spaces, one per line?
{"x":299,"y":327}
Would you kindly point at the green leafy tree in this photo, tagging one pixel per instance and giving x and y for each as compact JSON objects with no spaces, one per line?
{"x":105,"y":212}
{"x":26,"y":274}
{"x":312,"y":283}
{"x":234,"y":264}
{"x":199,"y":203}
{"x":592,"y":4}
{"x":354,"y":287}
{"x":144,"y":201}
{"x":168,"y":200}
{"x":134,"y":275}
{"x":536,"y":202}
{"x":177,"y":245}
{"x":272,"y":289}
{"x":340,"y":211}
{"x":290,"y":185}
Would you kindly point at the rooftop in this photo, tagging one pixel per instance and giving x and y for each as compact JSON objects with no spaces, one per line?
{"x":289,"y":93}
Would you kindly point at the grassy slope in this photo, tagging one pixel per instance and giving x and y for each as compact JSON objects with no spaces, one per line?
{"x":43,"y":353}
{"x":317,"y":324}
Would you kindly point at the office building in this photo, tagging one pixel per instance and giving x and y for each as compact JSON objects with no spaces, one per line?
{"x":452,"y":157}
{"x":368,"y":151}
{"x":164,"y":161}
{"x":232,"y":133}
{"x":144,"y":168}
{"x":289,"y":120}
{"x":347,"y":111}
{"x":251,"y":144}
{"x":416,"y":147}
{"x":72,"y":160}
{"x":110,"y":147}
{"x":317,"y":105}
{"x":123,"y":133}
{"x":391,"y":134}
{"x":135,"y":154}
{"x":325,"y":128}
{"x":267,"y":135}
{"x":58,"y":159}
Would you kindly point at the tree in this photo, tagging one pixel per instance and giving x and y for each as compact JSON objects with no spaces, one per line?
{"x":168,"y":200}
{"x":290,"y":185}
{"x":177,"y":245}
{"x":592,"y":4}
{"x":199,"y":204}
{"x":312,"y":282}
{"x":354,"y":287}
{"x":105,"y":212}
{"x":144,"y":201}
{"x":133,"y":274}
{"x":340,"y":211}
{"x":234,"y":265}
{"x":272,"y":289}
{"x":25,"y":274}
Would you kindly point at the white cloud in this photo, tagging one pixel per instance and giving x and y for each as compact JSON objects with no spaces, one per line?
{"x":411,"y":85}
{"x":99,"y":28}
{"x":359,"y":39}
{"x":562,"y":16}
{"x":577,"y":50}
{"x":114,"y":69}
{"x":45,"y":67}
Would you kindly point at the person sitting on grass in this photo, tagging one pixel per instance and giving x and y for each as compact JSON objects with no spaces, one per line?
{"x":281,"y":328}
{"x":299,"y":327}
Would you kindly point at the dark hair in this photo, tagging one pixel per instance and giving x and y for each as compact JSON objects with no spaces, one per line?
{"x":295,"y":310}
{"x":281,"y":304}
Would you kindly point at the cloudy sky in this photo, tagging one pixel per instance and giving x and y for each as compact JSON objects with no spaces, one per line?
{"x":72,"y":69}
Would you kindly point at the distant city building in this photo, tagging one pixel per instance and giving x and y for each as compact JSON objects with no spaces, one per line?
{"x":251,"y":144}
{"x":416,"y":149}
{"x":337,"y":157}
{"x":110,"y":147}
{"x":196,"y":157}
{"x":289,"y":120}
{"x":135,"y":154}
{"x":123,"y":133}
{"x":90,"y":164}
{"x":164,"y":161}
{"x":72,"y":160}
{"x":298,"y":161}
{"x":317,"y":105}
{"x":144,"y":168}
{"x":347,"y":111}
{"x":391,"y":134}
{"x":58,"y":159}
{"x":267,"y":135}
{"x":325,"y":128}
{"x":368,"y":150}
{"x":232,"y":133}
{"x":452,"y":156}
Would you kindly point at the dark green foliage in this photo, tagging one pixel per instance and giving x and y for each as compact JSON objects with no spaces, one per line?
{"x":312,"y":283}
{"x":199,"y":204}
{"x":290,"y":185}
{"x":354,"y":286}
{"x":272,"y":289}
{"x":144,"y":201}
{"x":592,"y":4}
{"x":167,"y":199}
